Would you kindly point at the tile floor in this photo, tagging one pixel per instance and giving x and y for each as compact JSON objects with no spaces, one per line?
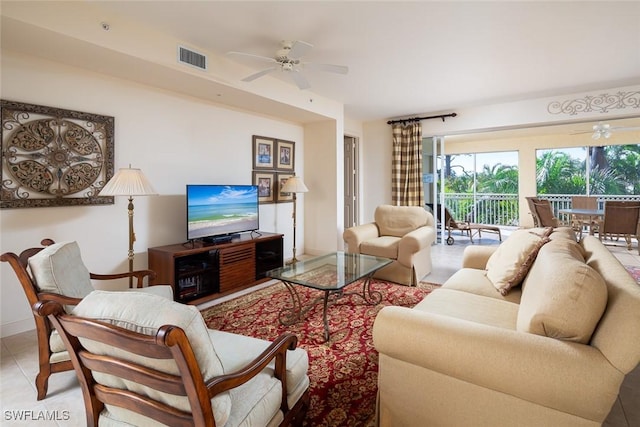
{"x":64,"y":405}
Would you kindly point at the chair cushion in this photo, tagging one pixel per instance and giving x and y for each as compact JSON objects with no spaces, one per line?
{"x":56,"y":345}
{"x":146,"y":313}
{"x":164,"y":291}
{"x":399,"y":220}
{"x":59,"y":268}
{"x":236,"y":351}
{"x":562,"y":297}
{"x":384,"y":246}
{"x":509,"y":264}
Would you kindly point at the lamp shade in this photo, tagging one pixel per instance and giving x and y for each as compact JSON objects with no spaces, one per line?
{"x":295,"y":184}
{"x":128,"y":182}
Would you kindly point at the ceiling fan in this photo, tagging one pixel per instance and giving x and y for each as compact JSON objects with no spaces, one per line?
{"x":605,"y":130}
{"x":289,"y":59}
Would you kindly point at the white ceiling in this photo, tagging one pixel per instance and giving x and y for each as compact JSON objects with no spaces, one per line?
{"x":408,"y":58}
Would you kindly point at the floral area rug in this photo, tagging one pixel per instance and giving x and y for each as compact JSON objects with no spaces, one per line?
{"x":343,"y":371}
{"x":634,"y":272}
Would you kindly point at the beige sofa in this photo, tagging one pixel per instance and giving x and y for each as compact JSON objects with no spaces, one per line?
{"x":402,"y":233}
{"x":550,"y":352}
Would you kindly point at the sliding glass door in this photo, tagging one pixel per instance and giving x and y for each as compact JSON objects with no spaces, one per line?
{"x":482,"y":187}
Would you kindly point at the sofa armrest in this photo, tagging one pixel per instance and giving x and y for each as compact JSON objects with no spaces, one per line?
{"x":354,"y":236}
{"x":477,"y":256}
{"x":413,"y":242}
{"x":538,"y":369}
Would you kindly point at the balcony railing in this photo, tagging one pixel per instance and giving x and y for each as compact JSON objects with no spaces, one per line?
{"x":503,"y":209}
{"x":485,"y":208}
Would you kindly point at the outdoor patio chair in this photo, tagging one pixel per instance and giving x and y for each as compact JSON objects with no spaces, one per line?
{"x":621,"y":218}
{"x":468,"y":228}
{"x":57,"y":268}
{"x":542,"y":212}
{"x":579,"y":222}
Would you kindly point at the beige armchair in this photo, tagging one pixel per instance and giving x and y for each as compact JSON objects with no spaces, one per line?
{"x":402,"y":233}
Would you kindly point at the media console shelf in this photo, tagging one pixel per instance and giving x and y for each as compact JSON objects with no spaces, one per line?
{"x":201,"y":272}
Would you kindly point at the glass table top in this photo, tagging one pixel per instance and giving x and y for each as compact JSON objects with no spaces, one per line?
{"x":329,"y":272}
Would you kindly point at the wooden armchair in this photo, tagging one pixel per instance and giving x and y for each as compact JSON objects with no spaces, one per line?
{"x":137,"y":366}
{"x":52,"y":354}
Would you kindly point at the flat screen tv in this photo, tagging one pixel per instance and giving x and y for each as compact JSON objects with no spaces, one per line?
{"x":221,"y":210}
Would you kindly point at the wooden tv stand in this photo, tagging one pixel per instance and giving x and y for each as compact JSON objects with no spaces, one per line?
{"x":201,"y":272}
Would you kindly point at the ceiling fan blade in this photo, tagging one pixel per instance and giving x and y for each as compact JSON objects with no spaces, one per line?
{"x":300,"y":80}
{"x":298,"y":49}
{"x":340,"y":69}
{"x":252,"y":56}
{"x":252,"y":77}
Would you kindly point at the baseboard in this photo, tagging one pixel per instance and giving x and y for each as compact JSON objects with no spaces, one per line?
{"x":13,"y":328}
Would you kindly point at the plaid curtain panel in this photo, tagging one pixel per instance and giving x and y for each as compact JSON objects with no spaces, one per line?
{"x":406,"y":170}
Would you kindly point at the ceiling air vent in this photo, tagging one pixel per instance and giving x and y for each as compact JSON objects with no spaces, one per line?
{"x":189,"y":57}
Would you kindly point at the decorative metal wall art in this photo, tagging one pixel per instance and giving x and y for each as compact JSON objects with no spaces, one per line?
{"x":54,"y":157}
{"x":601,"y":103}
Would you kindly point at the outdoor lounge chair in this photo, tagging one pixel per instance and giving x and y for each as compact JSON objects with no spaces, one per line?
{"x":465,"y":227}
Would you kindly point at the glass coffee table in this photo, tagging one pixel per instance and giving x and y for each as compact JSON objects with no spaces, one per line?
{"x":329,"y":273}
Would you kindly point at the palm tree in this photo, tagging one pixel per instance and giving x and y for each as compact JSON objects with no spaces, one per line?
{"x":559,"y":173}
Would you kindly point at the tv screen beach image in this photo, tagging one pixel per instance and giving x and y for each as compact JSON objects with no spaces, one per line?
{"x":221,"y":209}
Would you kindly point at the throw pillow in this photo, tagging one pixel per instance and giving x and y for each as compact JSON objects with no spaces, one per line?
{"x":59,"y":268}
{"x":509,"y":264}
{"x":562,"y":297}
{"x":145,"y":314}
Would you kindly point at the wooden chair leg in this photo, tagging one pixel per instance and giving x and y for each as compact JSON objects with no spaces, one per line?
{"x":42,"y":383}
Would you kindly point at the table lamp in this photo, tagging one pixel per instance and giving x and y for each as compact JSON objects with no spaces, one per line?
{"x":129,"y":182}
{"x":294,"y":185}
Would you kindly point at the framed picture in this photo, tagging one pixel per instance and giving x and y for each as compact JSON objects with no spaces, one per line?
{"x":266,"y":182}
{"x":285,"y":156}
{"x":54,"y":157}
{"x":263,"y":152}
{"x":283,"y":197}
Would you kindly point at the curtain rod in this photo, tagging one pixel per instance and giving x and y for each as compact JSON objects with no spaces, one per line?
{"x":417,"y":119}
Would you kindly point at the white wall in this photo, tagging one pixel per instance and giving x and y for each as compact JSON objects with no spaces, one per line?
{"x":324,"y":204}
{"x":375,"y":167}
{"x":173,"y":138}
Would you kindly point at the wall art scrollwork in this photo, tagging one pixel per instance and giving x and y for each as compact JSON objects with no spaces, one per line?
{"x":54,"y":157}
{"x":603,"y":103}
